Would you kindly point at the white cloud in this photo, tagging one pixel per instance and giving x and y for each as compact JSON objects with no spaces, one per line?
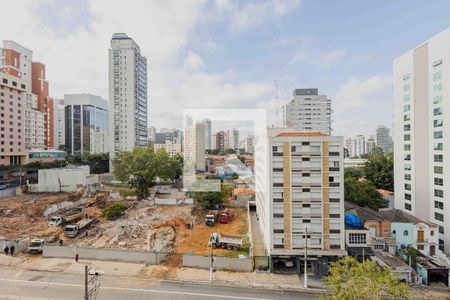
{"x":332,"y":57}
{"x":356,"y":91}
{"x":355,"y":101}
{"x":77,"y":61}
{"x":253,"y":13}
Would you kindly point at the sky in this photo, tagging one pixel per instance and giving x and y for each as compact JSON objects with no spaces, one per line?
{"x":229,"y":54}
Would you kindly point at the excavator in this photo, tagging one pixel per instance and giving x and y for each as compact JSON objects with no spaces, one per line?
{"x":99,"y":199}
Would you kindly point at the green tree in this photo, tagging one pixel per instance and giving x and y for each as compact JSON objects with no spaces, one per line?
{"x":229,"y":151}
{"x":114,"y":210}
{"x":353,"y":173}
{"x":379,"y":170}
{"x":98,"y":163}
{"x":208,"y":199}
{"x":352,"y":280}
{"x":363,"y":193}
{"x":141,"y":167}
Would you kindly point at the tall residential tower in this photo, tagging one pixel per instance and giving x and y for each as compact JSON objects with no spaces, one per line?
{"x":308,"y":111}
{"x":422,"y":136}
{"x":127,"y":95}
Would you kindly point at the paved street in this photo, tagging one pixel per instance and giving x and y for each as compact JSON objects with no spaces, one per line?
{"x":34,"y":285}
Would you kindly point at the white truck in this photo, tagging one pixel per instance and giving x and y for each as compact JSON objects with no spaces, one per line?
{"x":225,"y":241}
{"x":74,"y":229}
{"x":59,"y":220}
{"x":36,"y":246}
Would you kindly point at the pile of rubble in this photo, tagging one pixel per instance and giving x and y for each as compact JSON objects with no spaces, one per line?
{"x":143,"y":228}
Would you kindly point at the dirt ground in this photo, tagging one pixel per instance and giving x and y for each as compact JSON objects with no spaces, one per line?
{"x":196,"y":239}
{"x":23,"y":216}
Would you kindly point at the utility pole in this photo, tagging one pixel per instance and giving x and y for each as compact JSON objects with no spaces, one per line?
{"x":86,"y":291}
{"x":305,"y":284}
{"x":212,"y":263}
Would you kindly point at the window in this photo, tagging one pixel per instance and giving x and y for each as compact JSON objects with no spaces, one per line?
{"x":437,"y":111}
{"x":405,"y":233}
{"x":407,"y":127}
{"x":438,"y":146}
{"x":407,"y":176}
{"x":441,"y":229}
{"x":406,"y":117}
{"x":437,"y":99}
{"x":438,"y":134}
{"x":306,"y":190}
{"x":407,"y":186}
{"x":407,"y":167}
{"x":408,"y":196}
{"x":438,"y":170}
{"x":407,"y":137}
{"x":335,"y":215}
{"x":407,"y":147}
{"x":356,"y":238}
{"x":437,"y":123}
{"x":438,"y":204}
{"x":437,"y":76}
{"x":437,"y":87}
{"x":406,"y":107}
{"x":432,"y":232}
{"x":278,"y":215}
{"x":437,"y":63}
{"x":393,"y":232}
{"x":439,"y":216}
{"x":408,"y":206}
{"x":406,"y":87}
{"x":439,"y":193}
{"x":406,"y":76}
{"x":406,"y":97}
{"x":407,"y":157}
{"x":439,"y":181}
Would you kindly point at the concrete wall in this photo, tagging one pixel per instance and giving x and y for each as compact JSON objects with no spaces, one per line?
{"x":220,"y":263}
{"x":8,"y":192}
{"x":19,"y":245}
{"x":134,"y":256}
{"x":65,"y":180}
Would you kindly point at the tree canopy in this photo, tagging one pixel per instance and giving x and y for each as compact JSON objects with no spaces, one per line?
{"x":379,"y":170}
{"x":141,"y":167}
{"x":208,"y":199}
{"x":352,"y":280}
{"x":363,"y":193}
{"x":97,"y":162}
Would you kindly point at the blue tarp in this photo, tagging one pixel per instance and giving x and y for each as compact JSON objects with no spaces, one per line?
{"x":352,"y":221}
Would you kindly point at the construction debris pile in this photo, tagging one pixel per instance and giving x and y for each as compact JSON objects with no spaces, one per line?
{"x":23,"y":216}
{"x":148,"y":228}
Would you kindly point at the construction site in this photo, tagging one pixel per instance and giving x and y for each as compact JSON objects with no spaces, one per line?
{"x":167,"y":224}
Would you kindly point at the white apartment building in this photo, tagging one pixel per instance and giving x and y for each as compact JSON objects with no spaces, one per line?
{"x":384,"y":139}
{"x":59,"y":123}
{"x":233,"y":138}
{"x":422,"y":134}
{"x":194,"y":146}
{"x":308,"y":111}
{"x":34,"y":123}
{"x":356,"y":146}
{"x":249,"y":144}
{"x":208,"y":134}
{"x":172,"y":147}
{"x":86,"y":124}
{"x":127,"y":95}
{"x":300,"y":196}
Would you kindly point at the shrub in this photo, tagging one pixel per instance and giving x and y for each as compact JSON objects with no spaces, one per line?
{"x":114,"y":210}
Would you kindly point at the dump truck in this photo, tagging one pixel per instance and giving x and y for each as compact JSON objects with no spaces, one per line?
{"x":226,"y":215}
{"x":74,"y":229}
{"x":211,"y":217}
{"x":60,"y":220}
{"x":36,"y":246}
{"x":230,"y":242}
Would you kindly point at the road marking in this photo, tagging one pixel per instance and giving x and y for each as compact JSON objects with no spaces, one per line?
{"x":133,"y":289}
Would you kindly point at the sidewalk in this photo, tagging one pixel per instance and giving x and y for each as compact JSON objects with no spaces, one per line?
{"x":161,"y":272}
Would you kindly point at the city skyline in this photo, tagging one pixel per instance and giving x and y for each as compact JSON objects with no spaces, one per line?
{"x":206,"y":52}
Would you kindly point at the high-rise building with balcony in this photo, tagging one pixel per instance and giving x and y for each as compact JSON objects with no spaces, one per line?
{"x":308,"y":111}
{"x":13,"y":92}
{"x":17,"y":61}
{"x":300,"y":196}
{"x":127,"y":95}
{"x":384,"y":139}
{"x":422,"y":136}
{"x":208,"y":134}
{"x":86,"y":124}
